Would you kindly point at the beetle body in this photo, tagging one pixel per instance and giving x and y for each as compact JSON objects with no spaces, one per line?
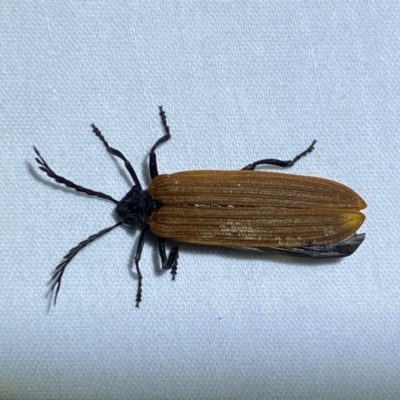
{"x":284,"y":213}
{"x":253,"y":209}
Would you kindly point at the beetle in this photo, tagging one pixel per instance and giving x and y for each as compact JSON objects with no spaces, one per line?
{"x":295,"y":215}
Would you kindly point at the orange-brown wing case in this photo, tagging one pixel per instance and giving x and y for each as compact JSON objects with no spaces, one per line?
{"x":254,"y":209}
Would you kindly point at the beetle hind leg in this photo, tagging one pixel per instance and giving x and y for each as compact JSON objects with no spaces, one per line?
{"x":172,"y":261}
{"x":280,"y":163}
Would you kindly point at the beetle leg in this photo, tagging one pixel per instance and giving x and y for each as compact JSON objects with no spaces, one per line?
{"x":153,"y":158}
{"x":116,"y":153}
{"x":280,"y":163}
{"x":172,"y":261}
{"x":138,"y":254}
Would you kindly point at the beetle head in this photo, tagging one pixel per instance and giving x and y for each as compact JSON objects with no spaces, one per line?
{"x":132,"y":208}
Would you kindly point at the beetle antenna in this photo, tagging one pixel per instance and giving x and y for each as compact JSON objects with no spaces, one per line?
{"x":55,"y":281}
{"x":116,"y":153}
{"x":59,"y":179}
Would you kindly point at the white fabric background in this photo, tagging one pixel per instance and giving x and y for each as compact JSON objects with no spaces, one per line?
{"x":240,"y":81}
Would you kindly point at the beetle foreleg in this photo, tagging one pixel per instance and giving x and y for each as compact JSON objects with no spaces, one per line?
{"x":153,"y":158}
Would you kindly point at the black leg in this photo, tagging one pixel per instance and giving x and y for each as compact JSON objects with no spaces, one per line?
{"x":172,"y":261}
{"x":138,"y":254}
{"x":116,"y":153}
{"x":165,"y":138}
{"x":280,"y":163}
{"x":59,"y":179}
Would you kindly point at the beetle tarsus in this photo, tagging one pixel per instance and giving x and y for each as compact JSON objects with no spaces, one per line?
{"x":139,"y":292}
{"x":173,"y":261}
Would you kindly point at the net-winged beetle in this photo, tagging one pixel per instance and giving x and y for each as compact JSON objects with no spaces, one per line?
{"x":291,"y":214}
